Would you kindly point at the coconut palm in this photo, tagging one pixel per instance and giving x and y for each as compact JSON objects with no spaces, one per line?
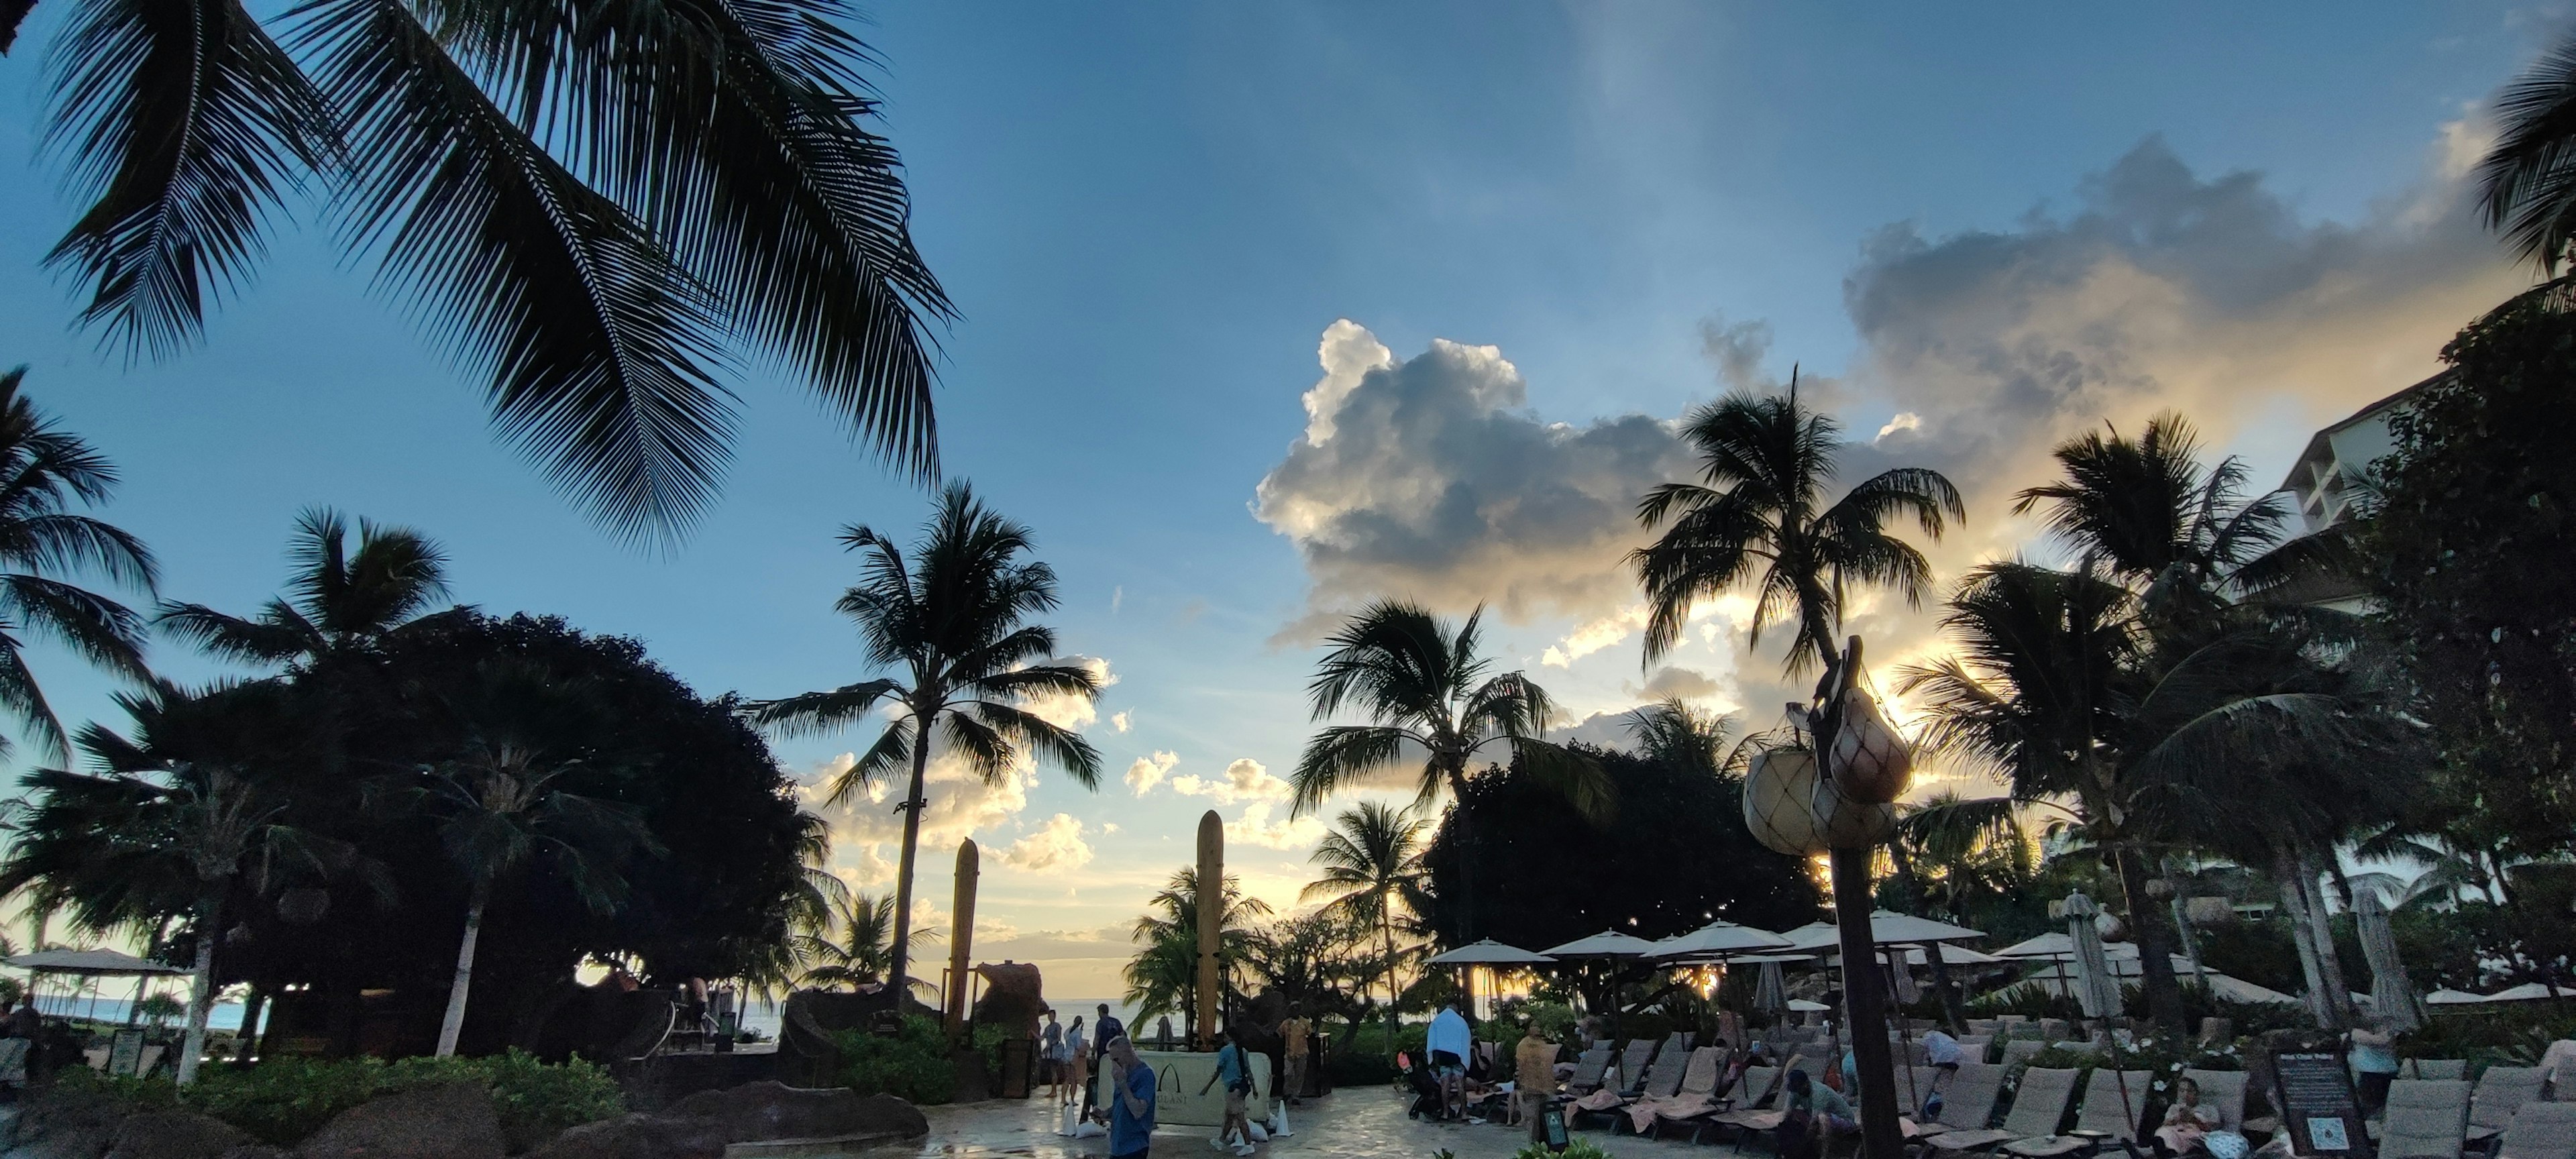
{"x":860,"y":948}
{"x":46,"y":473}
{"x":2528,"y":178}
{"x":592,"y":208}
{"x":953,"y":621}
{"x":338,"y":603}
{"x":1758,"y":515}
{"x":1672,"y":732}
{"x":173,"y":822}
{"x":502,"y":802}
{"x":1164,"y":975}
{"x":1372,"y":861}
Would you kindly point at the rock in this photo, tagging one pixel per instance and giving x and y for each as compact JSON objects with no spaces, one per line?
{"x":257,"y":1151}
{"x":66,"y":1122}
{"x":454,"y":1121}
{"x":637,"y":1136}
{"x":773,"y":1110}
{"x":175,"y":1134}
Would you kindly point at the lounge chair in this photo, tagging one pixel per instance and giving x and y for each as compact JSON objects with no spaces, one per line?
{"x":2103,"y":1117}
{"x":1633,"y":1062}
{"x":2427,"y":1119}
{"x":2052,"y":1029}
{"x":2540,"y":1131}
{"x":2224,"y":1091}
{"x":2018,"y":1051}
{"x":2037,"y":1107}
{"x":2502,"y":1091}
{"x":1977,"y":1047}
{"x":2442,"y":1068}
{"x":1967,"y":1101}
{"x":1759,"y":1107}
{"x":1702,"y":1083}
{"x":1664,"y":1078}
{"x":1590,"y":1068}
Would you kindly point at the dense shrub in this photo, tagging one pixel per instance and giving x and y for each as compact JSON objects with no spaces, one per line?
{"x":1574,"y":1149}
{"x":282,"y":1100}
{"x":911,"y":1064}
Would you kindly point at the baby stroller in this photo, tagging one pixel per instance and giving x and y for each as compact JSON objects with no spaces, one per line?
{"x":1426,"y":1089}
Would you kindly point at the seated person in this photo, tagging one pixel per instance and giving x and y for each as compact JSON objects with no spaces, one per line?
{"x":1816,"y":1112}
{"x":2187,"y":1123}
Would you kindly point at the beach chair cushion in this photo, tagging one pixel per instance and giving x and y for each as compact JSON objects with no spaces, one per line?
{"x":2501,"y":1092}
{"x":1588,"y":1071}
{"x":2438,"y":1068}
{"x":2037,"y":1107}
{"x":1633,"y":1062}
{"x":2540,"y":1130}
{"x":1664,"y":1078}
{"x":2018,"y":1051}
{"x":2105,"y":1112}
{"x":2427,"y":1119}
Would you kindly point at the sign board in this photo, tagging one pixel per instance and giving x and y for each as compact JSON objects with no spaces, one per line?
{"x":2313,"y":1093}
{"x":1552,"y":1122}
{"x":125,"y":1052}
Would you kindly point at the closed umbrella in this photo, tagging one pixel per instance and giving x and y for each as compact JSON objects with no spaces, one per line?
{"x":2097,"y":989}
{"x":2391,"y":995}
{"x":1770,"y":992}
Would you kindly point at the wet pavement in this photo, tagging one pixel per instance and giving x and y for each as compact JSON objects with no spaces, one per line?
{"x":1361,"y":1121}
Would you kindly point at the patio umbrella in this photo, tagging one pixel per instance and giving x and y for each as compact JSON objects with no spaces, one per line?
{"x":90,"y":964}
{"x":1608,"y":945}
{"x":2527,"y":992}
{"x":2452,"y":998}
{"x":2097,"y":989}
{"x":1770,"y":992}
{"x":1886,"y":929}
{"x":1718,"y":939}
{"x":2391,"y":995}
{"x":1490,"y":953}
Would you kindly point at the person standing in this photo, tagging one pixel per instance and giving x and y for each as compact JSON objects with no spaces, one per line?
{"x":1534,"y":1078}
{"x":1053,"y":1056}
{"x":1449,"y":1041}
{"x":1234,"y":1069}
{"x":1292,"y":1035}
{"x":2374,"y":1062}
{"x":1103,"y":1029}
{"x":1077,"y":1061}
{"x":1131,"y":1109}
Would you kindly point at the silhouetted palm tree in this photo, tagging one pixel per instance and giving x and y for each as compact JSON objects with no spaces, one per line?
{"x":338,"y":603}
{"x":2528,"y":178}
{"x":1164,"y":976}
{"x":1672,"y":732}
{"x":1758,"y":515}
{"x":952,"y":620}
{"x":859,"y":947}
{"x":1372,"y":861}
{"x":45,"y":471}
{"x":596,"y":208}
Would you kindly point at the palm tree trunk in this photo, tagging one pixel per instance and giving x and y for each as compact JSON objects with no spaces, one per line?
{"x":1386,"y":923}
{"x":2329,"y":963}
{"x":454,"y":1023}
{"x":251,"y":1009}
{"x":2294,"y":907}
{"x":898,"y":975}
{"x":2155,"y":949}
{"x":1466,"y":859}
{"x":201,"y":996}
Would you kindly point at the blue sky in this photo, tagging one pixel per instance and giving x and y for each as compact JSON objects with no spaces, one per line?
{"x":1151,"y":214}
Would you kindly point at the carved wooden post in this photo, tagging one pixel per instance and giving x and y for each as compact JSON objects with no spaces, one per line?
{"x":961,"y":936}
{"x":1211,"y":917}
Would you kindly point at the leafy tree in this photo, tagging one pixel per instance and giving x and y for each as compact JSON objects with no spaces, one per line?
{"x":594,"y":208}
{"x":1423,"y":687}
{"x":1675,"y":856}
{"x":1372,"y":861}
{"x":862,"y":948}
{"x":46,"y":474}
{"x":1757,"y":514}
{"x":501,"y":802}
{"x":954,"y":621}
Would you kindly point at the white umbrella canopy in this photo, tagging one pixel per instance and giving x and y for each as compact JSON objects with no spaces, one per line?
{"x":2097,"y":989}
{"x":1606,"y":944}
{"x":1803,"y":1006}
{"x":93,"y":962}
{"x":1717,"y":939}
{"x":2452,"y":998}
{"x":2053,"y":944}
{"x":1490,"y":953}
{"x":2527,"y":992}
{"x":1885,"y":928}
{"x":2391,"y":995}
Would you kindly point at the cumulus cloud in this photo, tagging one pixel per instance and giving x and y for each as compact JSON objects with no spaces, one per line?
{"x":1148,"y":771}
{"x":1244,"y":780}
{"x":1426,"y":478}
{"x":1256,"y":827}
{"x":1675,"y":681}
{"x":1122,"y":720}
{"x":1065,"y":710}
{"x":1055,"y":844}
{"x":1595,"y":635}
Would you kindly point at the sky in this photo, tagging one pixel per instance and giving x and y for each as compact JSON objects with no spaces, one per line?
{"x":1268,"y":311}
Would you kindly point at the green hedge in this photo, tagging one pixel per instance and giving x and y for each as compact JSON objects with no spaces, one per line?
{"x":913,"y":1064}
{"x":282,"y":1100}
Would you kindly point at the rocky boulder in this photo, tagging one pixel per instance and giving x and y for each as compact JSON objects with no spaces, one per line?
{"x":66,"y":1122}
{"x":453,"y":1121}
{"x":773,"y":1110}
{"x":637,"y":1136}
{"x":175,"y":1134}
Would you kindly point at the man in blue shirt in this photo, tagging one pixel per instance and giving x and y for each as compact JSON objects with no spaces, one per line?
{"x":1102,"y":1030}
{"x":1131,"y":1105}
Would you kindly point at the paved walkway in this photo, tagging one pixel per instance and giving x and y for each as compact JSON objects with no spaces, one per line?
{"x":1362,"y":1121}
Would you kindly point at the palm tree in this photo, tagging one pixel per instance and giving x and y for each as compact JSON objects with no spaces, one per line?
{"x":2529,"y":175}
{"x":1165,"y":975}
{"x":1757,"y":514}
{"x":593,"y":208}
{"x":174,"y":820}
{"x":953,"y":621}
{"x":501,"y":803}
{"x":862,"y":951}
{"x":1423,"y":687}
{"x":1672,"y":732}
{"x":338,"y":603}
{"x":45,"y":471}
{"x":1372,"y":863}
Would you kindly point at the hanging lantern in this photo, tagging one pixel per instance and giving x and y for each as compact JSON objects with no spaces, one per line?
{"x":1778,"y":801}
{"x":1843,"y":823}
